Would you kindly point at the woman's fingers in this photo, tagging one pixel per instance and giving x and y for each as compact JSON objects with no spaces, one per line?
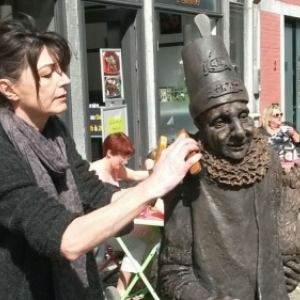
{"x":149,"y":164}
{"x":183,"y":150}
{"x":172,"y":166}
{"x":290,"y":130}
{"x":182,"y":146}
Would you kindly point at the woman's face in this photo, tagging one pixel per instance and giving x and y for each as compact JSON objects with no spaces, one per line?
{"x":52,"y":93}
{"x":118,"y":161}
{"x":275,"y":118}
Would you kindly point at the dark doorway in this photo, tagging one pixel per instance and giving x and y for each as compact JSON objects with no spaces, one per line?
{"x":109,"y":27}
{"x":292,"y":71}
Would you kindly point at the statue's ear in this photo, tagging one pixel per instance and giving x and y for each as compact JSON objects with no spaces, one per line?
{"x":198,"y":123}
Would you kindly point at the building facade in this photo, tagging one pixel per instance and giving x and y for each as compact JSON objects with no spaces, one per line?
{"x":280,"y":56}
{"x":150,"y":35}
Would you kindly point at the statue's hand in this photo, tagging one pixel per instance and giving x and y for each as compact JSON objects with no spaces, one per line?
{"x":291,"y":268}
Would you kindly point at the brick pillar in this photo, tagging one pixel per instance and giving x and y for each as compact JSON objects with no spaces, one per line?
{"x":270,"y":59}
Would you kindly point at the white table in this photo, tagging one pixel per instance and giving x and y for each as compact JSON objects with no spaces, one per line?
{"x":140,"y":268}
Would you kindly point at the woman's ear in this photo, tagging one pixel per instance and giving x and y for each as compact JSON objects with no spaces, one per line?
{"x":7,"y":90}
{"x":109,"y":153}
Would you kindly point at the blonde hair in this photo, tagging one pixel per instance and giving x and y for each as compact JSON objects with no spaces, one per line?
{"x":267,"y":113}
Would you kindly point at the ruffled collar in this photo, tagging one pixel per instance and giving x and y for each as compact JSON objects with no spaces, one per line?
{"x":246,"y":172}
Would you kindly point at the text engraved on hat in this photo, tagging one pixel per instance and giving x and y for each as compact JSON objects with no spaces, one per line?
{"x":215,"y":64}
{"x":227,"y":87}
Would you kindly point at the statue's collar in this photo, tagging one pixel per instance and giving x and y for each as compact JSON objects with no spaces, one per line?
{"x":250,"y":170}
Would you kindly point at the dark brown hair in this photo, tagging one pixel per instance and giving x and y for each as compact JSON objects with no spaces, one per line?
{"x":21,"y":44}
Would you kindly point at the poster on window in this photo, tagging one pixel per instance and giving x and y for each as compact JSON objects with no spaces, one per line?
{"x":114,"y":119}
{"x":111,"y":74}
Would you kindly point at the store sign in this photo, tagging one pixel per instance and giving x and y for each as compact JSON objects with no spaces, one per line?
{"x":95,"y":122}
{"x":208,"y":5}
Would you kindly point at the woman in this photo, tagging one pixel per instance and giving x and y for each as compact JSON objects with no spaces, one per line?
{"x":53,"y":211}
{"x":117,"y":150}
{"x":284,"y":138}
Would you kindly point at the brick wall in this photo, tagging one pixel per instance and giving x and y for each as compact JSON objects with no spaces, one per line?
{"x":270,"y":59}
{"x":295,"y":2}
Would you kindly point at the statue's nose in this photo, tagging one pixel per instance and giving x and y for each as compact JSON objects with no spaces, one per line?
{"x":238,"y":130}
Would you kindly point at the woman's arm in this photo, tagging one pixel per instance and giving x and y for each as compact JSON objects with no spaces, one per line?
{"x":134,"y":175}
{"x":85,"y":232}
{"x":52,"y":230}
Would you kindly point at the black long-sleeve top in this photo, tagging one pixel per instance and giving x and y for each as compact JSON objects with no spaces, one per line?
{"x":32,"y":225}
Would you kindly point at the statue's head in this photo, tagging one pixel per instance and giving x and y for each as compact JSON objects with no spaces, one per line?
{"x":218,"y":98}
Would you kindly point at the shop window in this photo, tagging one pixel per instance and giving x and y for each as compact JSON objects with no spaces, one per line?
{"x":173,"y":32}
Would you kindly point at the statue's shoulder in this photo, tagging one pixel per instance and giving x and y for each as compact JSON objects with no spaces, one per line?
{"x":185,"y":192}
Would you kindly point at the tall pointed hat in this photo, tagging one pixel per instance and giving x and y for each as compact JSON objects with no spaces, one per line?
{"x":210,"y":76}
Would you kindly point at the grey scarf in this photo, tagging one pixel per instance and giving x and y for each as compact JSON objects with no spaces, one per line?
{"x":46,"y":155}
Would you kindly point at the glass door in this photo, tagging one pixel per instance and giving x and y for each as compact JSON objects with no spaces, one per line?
{"x":173,"y":32}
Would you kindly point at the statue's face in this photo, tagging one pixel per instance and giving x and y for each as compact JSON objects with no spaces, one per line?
{"x":227,"y":130}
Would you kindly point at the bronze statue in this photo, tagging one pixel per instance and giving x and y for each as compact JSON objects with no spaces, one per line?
{"x":221,"y":237}
{"x":289,"y":225}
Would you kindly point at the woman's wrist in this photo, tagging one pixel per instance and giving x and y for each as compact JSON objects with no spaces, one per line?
{"x":296,"y":137}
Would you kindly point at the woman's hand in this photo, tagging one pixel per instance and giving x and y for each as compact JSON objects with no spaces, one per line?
{"x":290,"y":131}
{"x":293,"y":134}
{"x":172,"y":166}
{"x":149,"y":164}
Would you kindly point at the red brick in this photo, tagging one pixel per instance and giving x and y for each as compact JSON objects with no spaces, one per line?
{"x":295,"y":2}
{"x":270,"y":52}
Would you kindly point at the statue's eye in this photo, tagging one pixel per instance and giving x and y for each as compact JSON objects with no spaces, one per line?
{"x":219,"y":124}
{"x":244,"y":116}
